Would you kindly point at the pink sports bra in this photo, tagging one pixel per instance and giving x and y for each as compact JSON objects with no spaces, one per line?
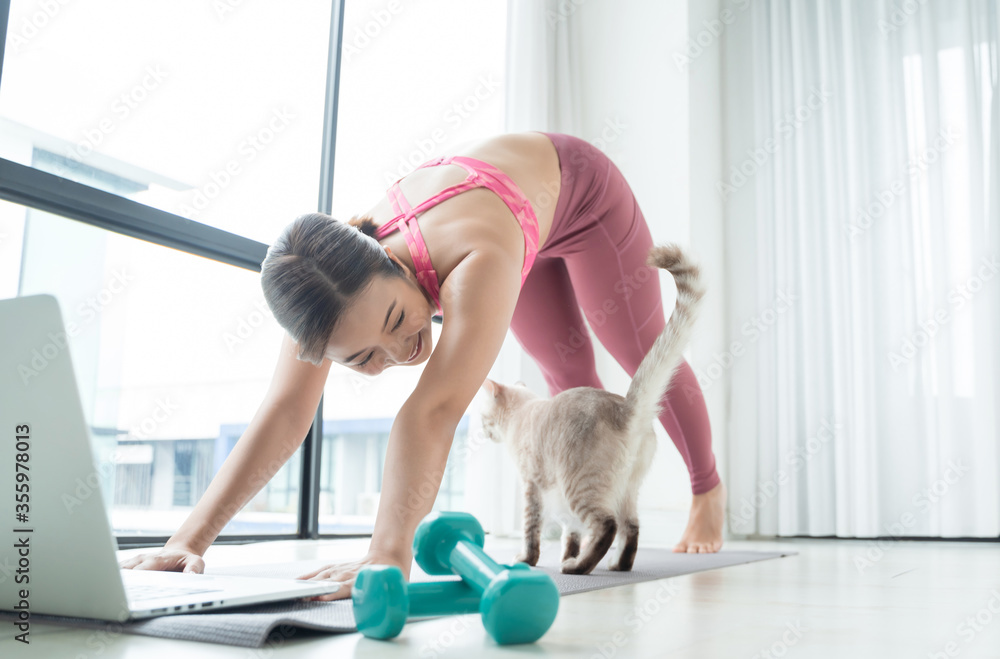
{"x":481,"y":174}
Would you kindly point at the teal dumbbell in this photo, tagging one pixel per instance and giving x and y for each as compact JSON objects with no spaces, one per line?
{"x":383,"y":600}
{"x":518,"y":604}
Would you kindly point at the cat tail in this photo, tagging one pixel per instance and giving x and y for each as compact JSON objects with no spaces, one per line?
{"x":653,"y":376}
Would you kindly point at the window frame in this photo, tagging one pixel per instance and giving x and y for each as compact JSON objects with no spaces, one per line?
{"x":60,"y":196}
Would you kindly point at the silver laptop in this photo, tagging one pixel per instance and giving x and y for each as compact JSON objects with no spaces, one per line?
{"x":57,"y":551}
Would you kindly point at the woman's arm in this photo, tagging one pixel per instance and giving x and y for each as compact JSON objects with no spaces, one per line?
{"x":478,"y":298}
{"x":273,"y":435}
{"x":478,"y":306}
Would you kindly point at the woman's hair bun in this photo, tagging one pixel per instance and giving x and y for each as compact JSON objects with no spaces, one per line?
{"x":365,"y":224}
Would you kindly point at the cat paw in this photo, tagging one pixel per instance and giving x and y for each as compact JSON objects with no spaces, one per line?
{"x":621,"y":566}
{"x":573,"y":566}
{"x":530,"y":559}
{"x":571,"y":548}
{"x":623,"y":559}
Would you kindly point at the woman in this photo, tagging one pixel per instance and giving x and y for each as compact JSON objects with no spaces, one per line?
{"x":530,"y":231}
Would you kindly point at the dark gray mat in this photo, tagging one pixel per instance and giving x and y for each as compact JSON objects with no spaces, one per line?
{"x":253,"y":626}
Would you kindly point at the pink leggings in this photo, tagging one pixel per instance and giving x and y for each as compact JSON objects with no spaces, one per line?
{"x":593,"y":264}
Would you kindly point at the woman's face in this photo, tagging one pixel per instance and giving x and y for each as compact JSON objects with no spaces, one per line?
{"x":387,"y":324}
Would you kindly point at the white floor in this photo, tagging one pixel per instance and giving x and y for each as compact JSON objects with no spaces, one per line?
{"x":922,"y":600}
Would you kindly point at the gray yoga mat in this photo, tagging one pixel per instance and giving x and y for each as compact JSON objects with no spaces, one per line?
{"x":252,"y":626}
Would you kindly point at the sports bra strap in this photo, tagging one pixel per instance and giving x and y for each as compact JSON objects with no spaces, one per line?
{"x":480,"y":174}
{"x":398,"y":200}
{"x":407,"y":225}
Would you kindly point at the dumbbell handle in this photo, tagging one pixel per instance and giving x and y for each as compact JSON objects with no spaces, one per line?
{"x":473,"y":565}
{"x":518,"y":604}
{"x":440,"y":598}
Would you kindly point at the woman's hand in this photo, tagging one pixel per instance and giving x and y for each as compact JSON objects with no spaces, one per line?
{"x":345,"y":573}
{"x":171,"y":558}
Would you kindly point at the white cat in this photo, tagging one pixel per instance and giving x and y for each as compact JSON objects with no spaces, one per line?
{"x":592,"y":448}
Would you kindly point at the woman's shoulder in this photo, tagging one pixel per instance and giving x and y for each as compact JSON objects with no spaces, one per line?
{"x":522,"y":145}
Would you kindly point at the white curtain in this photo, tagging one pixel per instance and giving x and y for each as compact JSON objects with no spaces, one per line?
{"x":541,"y":94}
{"x":864,"y":278}
{"x":543,"y":91}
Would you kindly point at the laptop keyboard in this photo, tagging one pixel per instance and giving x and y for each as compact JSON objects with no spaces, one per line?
{"x":140,"y":592}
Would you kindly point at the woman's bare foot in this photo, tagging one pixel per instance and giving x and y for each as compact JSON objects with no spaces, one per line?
{"x":703,"y":534}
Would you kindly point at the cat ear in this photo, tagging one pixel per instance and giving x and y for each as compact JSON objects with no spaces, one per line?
{"x":492,"y":387}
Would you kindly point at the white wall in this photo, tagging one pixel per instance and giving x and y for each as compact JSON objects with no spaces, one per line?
{"x":737,"y":88}
{"x":705,"y":151}
{"x":669,"y":148}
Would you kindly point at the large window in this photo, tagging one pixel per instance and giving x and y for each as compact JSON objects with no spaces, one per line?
{"x":170,"y":351}
{"x":416,"y":81}
{"x":211,"y":110}
{"x":147,"y":149}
